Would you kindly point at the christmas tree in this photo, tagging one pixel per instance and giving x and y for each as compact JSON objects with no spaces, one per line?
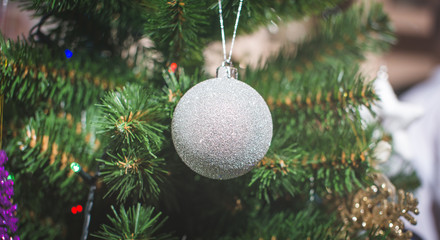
{"x":88,"y":109}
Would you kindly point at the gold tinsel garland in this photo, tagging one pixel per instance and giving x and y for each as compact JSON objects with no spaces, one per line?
{"x":379,"y":208}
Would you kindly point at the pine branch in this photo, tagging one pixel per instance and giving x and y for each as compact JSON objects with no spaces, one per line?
{"x":341,"y":40}
{"x":324,"y":136}
{"x":406,"y":181}
{"x":48,"y":145}
{"x":134,"y":120}
{"x":136,"y":223}
{"x":316,"y":118}
{"x":262,"y":13}
{"x":31,"y":228}
{"x":178,"y":84}
{"x":49,"y":5}
{"x":99,"y":26}
{"x":132,"y":116}
{"x":315,"y":112}
{"x":314,"y":93}
{"x":276,"y":177}
{"x":133,"y":175}
{"x":177,"y":27}
{"x":337,"y":158}
{"x":33,"y":74}
{"x":44,"y":149}
{"x":308,"y":223}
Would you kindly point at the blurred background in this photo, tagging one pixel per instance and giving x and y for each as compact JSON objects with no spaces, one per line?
{"x":417,"y":51}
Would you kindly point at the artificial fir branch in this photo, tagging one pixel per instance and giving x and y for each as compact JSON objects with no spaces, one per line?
{"x":263,"y":13}
{"x":116,"y":23}
{"x":133,"y":120}
{"x":133,"y":175}
{"x":370,"y":30}
{"x":335,"y":168}
{"x":176,"y":28}
{"x":178,"y":84}
{"x":328,"y":51}
{"x":358,"y":95}
{"x":47,"y":144}
{"x":31,"y":228}
{"x":293,"y":91}
{"x":137,"y":223}
{"x":46,"y":151}
{"x":275,"y":177}
{"x":33,"y":74}
{"x":132,"y":116}
{"x":308,"y":223}
{"x":180,"y":28}
{"x":315,"y":108}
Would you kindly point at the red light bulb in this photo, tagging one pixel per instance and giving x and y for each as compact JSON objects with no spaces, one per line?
{"x":79,"y":208}
{"x":173,"y":67}
{"x":74,"y":210}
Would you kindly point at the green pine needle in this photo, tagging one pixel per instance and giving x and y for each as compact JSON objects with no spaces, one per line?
{"x":137,"y":223}
{"x":132,"y":116}
{"x":176,"y":27}
{"x":309,"y":223}
{"x":133,"y":174}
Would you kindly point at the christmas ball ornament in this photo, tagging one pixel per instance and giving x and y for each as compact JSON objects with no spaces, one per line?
{"x":222,"y":127}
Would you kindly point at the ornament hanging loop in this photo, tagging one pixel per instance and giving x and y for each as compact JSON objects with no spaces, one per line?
{"x":227,"y":60}
{"x":227,"y":71}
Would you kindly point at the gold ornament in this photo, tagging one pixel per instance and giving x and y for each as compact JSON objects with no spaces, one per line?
{"x":379,"y":208}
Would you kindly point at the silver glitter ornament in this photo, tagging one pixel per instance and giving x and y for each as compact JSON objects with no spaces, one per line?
{"x":222,"y":127}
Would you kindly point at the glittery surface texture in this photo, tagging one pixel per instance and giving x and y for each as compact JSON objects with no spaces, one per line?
{"x":8,"y":220}
{"x":222,"y":128}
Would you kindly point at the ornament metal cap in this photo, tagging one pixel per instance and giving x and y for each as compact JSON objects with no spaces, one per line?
{"x":227,"y":71}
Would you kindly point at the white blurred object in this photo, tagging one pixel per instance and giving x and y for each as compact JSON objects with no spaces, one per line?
{"x":424,"y":137}
{"x":395,"y":116}
{"x":382,"y":151}
{"x":414,"y":124}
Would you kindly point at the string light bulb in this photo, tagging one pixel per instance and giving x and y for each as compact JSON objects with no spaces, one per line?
{"x":76,"y":209}
{"x":75,"y":167}
{"x":68,"y":53}
{"x":173,"y":67}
